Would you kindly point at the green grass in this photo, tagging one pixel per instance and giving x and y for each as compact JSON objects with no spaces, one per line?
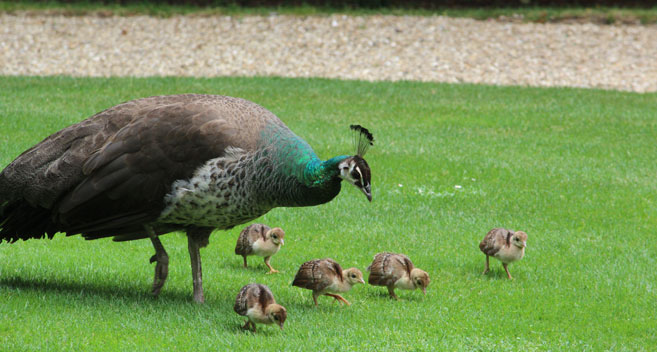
{"x":573,"y":168}
{"x":599,"y":14}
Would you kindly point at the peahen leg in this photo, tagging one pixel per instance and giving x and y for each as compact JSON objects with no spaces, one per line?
{"x":162,"y":259}
{"x":197,"y":238}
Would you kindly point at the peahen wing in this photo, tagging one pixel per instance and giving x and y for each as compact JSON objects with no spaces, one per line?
{"x":122,"y":184}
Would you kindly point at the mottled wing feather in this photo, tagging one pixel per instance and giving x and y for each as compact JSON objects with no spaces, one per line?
{"x":252,"y":295}
{"x":243,"y":246}
{"x":332,"y":267}
{"x":494,"y":241}
{"x":241,"y":306}
{"x":305,"y":277}
{"x":318,"y":274}
{"x":265,"y":296}
{"x":248,"y":236}
{"x":387,"y":268}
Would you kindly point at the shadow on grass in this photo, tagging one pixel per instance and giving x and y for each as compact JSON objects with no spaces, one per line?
{"x":261,"y":329}
{"x":95,"y":291}
{"x":496,"y":272}
{"x":324,"y":304}
{"x":97,"y":296}
{"x":404,"y":295}
{"x":254,"y":267}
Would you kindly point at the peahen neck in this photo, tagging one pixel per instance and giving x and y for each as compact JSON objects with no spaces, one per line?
{"x":299,"y":177}
{"x":317,"y":173}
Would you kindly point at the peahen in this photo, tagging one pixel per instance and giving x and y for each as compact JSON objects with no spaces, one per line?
{"x":155,"y":165}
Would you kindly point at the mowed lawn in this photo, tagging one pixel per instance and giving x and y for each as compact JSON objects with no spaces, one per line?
{"x":573,"y":168}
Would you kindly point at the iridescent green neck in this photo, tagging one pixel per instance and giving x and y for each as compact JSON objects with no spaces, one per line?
{"x":296,"y":158}
{"x":298,"y":176}
{"x":318,"y":173}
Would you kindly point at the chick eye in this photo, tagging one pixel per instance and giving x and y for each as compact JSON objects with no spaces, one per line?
{"x":355,"y":175}
{"x":275,"y":317}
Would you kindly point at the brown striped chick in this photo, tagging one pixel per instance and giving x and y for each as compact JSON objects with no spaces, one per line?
{"x":505,"y":245}
{"x":326,"y":277}
{"x":257,"y":303}
{"x":260,"y":240}
{"x":396,"y":271}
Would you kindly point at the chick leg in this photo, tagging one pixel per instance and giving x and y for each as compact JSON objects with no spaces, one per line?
{"x":487,"y":267}
{"x":245,"y":261}
{"x":338,"y":298}
{"x":271,"y":270}
{"x":506,"y":268}
{"x":162,"y":259}
{"x":315,"y":295}
{"x":391,"y":290}
{"x":197,"y":238}
{"x":248,"y":325}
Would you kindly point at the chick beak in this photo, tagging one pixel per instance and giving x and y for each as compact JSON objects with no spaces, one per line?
{"x":424,"y":290}
{"x":361,"y":281}
{"x":524,"y":244}
{"x":282,"y":242}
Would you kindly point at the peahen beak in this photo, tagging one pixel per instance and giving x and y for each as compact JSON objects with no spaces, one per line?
{"x":367,"y":191}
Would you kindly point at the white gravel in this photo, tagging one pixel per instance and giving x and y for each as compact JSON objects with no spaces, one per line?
{"x":370,"y":48}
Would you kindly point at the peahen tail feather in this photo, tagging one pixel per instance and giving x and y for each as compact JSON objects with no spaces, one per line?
{"x":22,"y":221}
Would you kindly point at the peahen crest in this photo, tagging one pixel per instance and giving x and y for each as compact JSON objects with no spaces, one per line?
{"x":363,"y":139}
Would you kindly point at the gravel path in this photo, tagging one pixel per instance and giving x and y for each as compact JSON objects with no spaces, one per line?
{"x":371,"y":48}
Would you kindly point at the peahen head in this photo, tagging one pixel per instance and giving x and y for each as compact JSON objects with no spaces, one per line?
{"x":355,"y":170}
{"x":323,"y":178}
